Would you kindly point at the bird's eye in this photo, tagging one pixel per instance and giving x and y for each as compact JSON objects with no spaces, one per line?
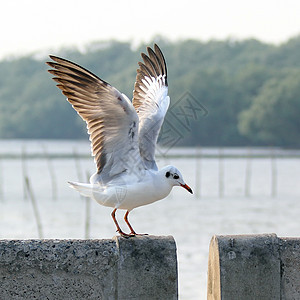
{"x":168,"y":174}
{"x":175,"y":176}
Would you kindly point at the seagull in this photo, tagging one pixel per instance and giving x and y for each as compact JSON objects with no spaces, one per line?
{"x":123,"y":133}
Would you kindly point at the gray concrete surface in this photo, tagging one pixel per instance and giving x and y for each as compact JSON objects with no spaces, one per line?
{"x":289,"y":249}
{"x":154,"y":265}
{"x":254,"y":267}
{"x":136,"y":268}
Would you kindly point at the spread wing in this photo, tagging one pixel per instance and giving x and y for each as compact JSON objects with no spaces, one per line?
{"x":111,"y":120}
{"x":151,"y":101}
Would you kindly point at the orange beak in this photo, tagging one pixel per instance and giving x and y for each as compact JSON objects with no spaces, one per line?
{"x":187,"y":188}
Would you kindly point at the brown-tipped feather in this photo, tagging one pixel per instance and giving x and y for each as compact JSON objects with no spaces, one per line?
{"x":71,"y":76}
{"x":148,"y":63}
{"x":154,"y":61}
{"x":153,"y":65}
{"x":96,"y":102}
{"x":68,"y":66}
{"x":161,"y":60}
{"x":144,"y":70}
{"x":150,"y":100}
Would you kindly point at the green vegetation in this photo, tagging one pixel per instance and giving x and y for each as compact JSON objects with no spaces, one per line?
{"x":250,"y":89}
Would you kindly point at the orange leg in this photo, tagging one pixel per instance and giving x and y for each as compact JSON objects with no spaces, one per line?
{"x":132,"y":232}
{"x":117,"y":225}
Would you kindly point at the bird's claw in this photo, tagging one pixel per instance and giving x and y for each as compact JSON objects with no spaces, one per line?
{"x":125,"y":235}
{"x":131,"y":234}
{"x":141,"y":234}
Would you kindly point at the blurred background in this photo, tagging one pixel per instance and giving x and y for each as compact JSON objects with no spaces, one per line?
{"x":233,"y":126}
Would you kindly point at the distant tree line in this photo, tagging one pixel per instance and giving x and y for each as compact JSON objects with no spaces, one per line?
{"x":251,"y":91}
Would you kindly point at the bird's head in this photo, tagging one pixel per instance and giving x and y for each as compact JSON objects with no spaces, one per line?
{"x":174,"y":177}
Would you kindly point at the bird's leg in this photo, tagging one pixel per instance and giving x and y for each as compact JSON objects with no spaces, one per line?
{"x":132,"y":232}
{"x":117,"y":225}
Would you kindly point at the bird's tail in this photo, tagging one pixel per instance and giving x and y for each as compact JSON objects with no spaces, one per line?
{"x":84,"y":189}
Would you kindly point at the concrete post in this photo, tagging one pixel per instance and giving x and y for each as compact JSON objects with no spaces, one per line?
{"x":136,"y":268}
{"x":290,"y":268}
{"x":253,"y":267}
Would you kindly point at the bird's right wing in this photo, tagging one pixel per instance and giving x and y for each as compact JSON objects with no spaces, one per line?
{"x":151,"y":102}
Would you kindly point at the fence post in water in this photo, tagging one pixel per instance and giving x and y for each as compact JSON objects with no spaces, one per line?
{"x":1,"y":182}
{"x":273,"y":175}
{"x":143,"y":267}
{"x":34,"y":206}
{"x":77,"y":165}
{"x":24,"y":171}
{"x":87,"y":223}
{"x":221,"y":173}
{"x":198,"y":173}
{"x":248,"y":173}
{"x":51,"y":172}
{"x":87,"y":200}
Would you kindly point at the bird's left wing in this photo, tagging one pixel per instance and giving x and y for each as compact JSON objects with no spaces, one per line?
{"x":111,"y":119}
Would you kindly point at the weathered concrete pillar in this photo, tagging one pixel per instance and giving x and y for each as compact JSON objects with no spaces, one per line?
{"x":254,"y":267}
{"x":136,"y":268}
{"x":290,"y":268}
{"x":147,"y":267}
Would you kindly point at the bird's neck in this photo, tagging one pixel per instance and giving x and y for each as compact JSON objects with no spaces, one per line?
{"x":163,"y":186}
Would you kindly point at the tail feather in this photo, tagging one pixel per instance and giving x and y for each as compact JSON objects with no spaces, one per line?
{"x":84,"y":189}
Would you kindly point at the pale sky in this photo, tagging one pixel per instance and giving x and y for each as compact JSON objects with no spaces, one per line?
{"x":45,"y":26}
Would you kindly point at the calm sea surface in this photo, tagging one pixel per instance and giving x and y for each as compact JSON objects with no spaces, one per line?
{"x":232,"y":196}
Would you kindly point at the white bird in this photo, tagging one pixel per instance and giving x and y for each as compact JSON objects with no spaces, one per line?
{"x":123,"y":134}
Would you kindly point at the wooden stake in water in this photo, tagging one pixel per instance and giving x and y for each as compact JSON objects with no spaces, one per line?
{"x":198,"y":173}
{"x":24,"y":170}
{"x":34,"y":206}
{"x":77,"y":165}
{"x":87,"y":200}
{"x":1,"y":182}
{"x":248,"y":174}
{"x":51,"y":172}
{"x":87,"y":223}
{"x":221,"y":173}
{"x":273,"y":176}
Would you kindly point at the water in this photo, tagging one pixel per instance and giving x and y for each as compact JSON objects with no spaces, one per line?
{"x":192,"y":221}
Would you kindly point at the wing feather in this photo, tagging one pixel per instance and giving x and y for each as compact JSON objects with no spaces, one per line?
{"x":151,"y":101}
{"x":112,"y":121}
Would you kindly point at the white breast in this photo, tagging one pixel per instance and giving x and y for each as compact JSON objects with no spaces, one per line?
{"x":129,"y":196}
